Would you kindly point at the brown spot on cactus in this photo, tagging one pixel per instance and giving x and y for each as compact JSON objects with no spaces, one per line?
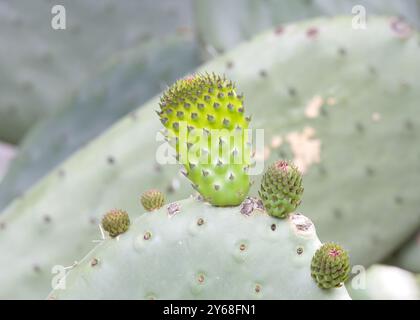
{"x":257,"y":288}
{"x":273,"y":227}
{"x":94,"y":262}
{"x":147,"y":235}
{"x":200,"y":278}
{"x":281,"y":189}
{"x":200,"y":222}
{"x":152,"y":200}
{"x":299,"y":250}
{"x":330,"y":266}
{"x":305,"y":148}
{"x":242,"y":247}
{"x":116,"y":222}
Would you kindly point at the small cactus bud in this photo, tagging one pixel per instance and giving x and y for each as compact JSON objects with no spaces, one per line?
{"x":281,"y":189}
{"x":330,"y":266}
{"x":116,"y":222}
{"x":152,"y":200}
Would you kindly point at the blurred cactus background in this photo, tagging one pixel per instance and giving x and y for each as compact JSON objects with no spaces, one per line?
{"x":334,"y":84}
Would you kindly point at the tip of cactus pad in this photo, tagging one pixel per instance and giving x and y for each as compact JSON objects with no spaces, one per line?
{"x":205,"y":119}
{"x":330,"y":266}
{"x":281,"y":188}
{"x":116,"y":222}
{"x":152,"y":200}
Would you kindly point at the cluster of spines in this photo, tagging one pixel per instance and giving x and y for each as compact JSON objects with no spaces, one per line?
{"x":281,"y":188}
{"x":330,"y":266}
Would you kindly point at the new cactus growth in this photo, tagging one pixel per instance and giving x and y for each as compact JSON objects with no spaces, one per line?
{"x":330,"y":266}
{"x":281,"y":188}
{"x":152,"y":200}
{"x":205,"y":119}
{"x":116,"y":222}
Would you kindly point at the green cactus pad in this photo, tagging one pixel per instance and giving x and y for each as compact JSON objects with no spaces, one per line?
{"x":206,"y":119}
{"x":152,"y":200}
{"x":330,"y":266}
{"x":281,"y":188}
{"x":191,"y":250}
{"x":116,"y":222}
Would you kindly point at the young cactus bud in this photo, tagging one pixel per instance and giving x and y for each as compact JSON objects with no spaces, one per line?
{"x":330,"y":266}
{"x":281,"y":189}
{"x":205,"y":119}
{"x":116,"y":222}
{"x":152,"y":200}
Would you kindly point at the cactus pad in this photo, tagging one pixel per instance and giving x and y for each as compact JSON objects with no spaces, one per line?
{"x":202,"y":252}
{"x":206,"y":119}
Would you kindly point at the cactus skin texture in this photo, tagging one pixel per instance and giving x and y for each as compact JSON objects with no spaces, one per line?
{"x":207,"y":105}
{"x":202,"y":252}
{"x":281,"y":188}
{"x":152,"y":200}
{"x":116,"y":222}
{"x":330,"y":266}
{"x":348,"y":138}
{"x":39,"y":73}
{"x":384,"y":282}
{"x":221,"y":30}
{"x":125,"y":82}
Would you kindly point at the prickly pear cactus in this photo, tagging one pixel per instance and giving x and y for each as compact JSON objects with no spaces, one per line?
{"x":326,"y":96}
{"x":205,"y":113}
{"x":239,"y":20}
{"x":44,"y":64}
{"x":126,"y":81}
{"x":191,"y":250}
{"x":383,"y":282}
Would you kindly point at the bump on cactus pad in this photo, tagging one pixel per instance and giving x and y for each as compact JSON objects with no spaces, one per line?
{"x":330,"y":266}
{"x":281,"y":188}
{"x":116,"y":222}
{"x":205,"y":119}
{"x":152,"y":199}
